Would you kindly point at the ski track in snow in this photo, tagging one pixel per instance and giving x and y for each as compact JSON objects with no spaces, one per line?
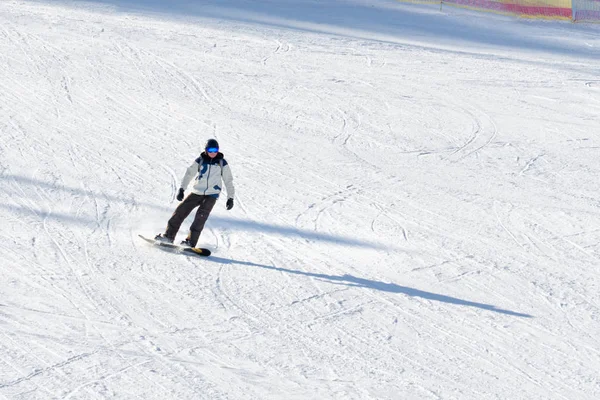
{"x":413,"y":220}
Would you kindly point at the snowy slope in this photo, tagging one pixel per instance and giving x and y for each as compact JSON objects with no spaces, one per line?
{"x":417,"y":211}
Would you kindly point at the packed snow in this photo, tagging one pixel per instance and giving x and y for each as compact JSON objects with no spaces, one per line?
{"x":417,"y":211}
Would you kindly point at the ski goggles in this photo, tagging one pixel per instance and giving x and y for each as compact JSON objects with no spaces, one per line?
{"x":212,"y":149}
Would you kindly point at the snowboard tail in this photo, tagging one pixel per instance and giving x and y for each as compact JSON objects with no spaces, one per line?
{"x":188,"y":250}
{"x":197,"y":250}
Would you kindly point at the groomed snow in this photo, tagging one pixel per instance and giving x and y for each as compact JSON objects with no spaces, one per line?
{"x":417,"y":212}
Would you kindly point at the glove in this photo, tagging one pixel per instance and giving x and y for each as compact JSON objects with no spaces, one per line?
{"x":180,"y":194}
{"x":229,"y":204}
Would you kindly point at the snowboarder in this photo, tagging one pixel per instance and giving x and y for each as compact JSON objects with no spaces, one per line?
{"x":210,"y":171}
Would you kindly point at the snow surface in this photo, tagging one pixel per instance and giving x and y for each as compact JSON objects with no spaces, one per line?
{"x":417,"y":211}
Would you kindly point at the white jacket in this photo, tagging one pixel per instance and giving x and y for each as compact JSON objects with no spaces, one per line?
{"x":209,"y":174}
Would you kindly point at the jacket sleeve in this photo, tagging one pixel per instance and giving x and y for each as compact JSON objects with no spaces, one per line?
{"x":190,"y":173}
{"x":228,"y":181}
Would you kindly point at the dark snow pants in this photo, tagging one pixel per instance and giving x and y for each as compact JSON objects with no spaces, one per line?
{"x":205,"y":205}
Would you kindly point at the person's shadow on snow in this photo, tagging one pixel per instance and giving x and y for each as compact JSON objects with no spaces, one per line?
{"x":354,"y":281}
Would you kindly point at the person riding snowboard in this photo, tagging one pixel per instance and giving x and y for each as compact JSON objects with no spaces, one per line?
{"x":210,"y":171}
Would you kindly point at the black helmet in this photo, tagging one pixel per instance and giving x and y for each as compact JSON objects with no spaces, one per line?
{"x":211,"y":144}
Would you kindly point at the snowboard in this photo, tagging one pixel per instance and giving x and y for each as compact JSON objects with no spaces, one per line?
{"x":188,"y":250}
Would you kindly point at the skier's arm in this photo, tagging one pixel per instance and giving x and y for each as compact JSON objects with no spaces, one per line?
{"x":189,"y":175}
{"x":228,"y":181}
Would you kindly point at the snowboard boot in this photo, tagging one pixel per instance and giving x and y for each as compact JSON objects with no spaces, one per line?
{"x":163,"y":239}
